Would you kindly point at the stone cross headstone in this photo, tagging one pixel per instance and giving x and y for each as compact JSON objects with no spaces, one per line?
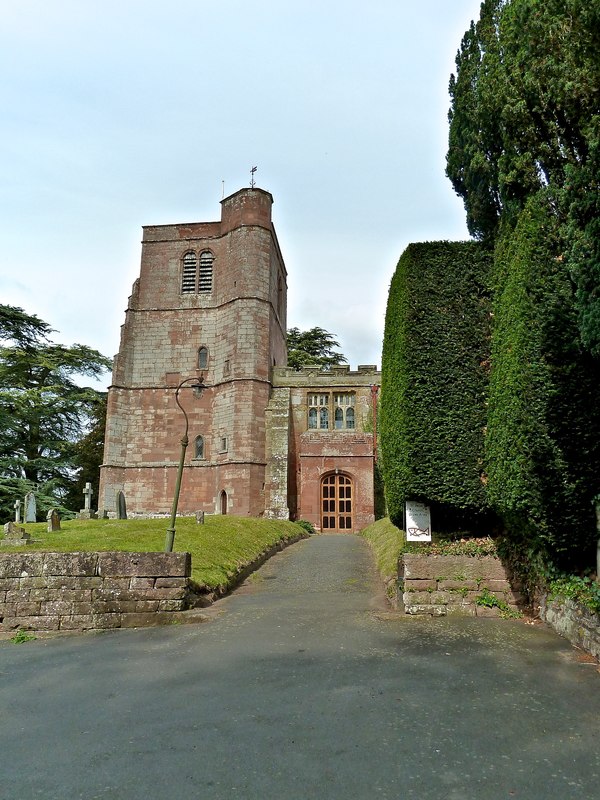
{"x":121,"y":506}
{"x":87,"y":496}
{"x":53,"y":520}
{"x":17,"y":511}
{"x":14,"y":535}
{"x":30,"y":507}
{"x":86,"y":512}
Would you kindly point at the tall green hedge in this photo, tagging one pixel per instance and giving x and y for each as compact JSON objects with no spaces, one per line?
{"x":434,"y":380}
{"x":543,"y":439}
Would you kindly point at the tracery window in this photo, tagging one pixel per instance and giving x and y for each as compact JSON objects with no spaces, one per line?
{"x":344,"y":410}
{"x":321,"y":409}
{"x":318,"y":411}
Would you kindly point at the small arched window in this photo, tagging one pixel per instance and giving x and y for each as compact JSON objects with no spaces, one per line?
{"x":312,"y":417}
{"x":203,"y":358}
{"x":205,"y":274}
{"x":188,"y":279}
{"x":199,"y":447}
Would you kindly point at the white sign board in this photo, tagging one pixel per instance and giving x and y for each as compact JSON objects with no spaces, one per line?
{"x":418,"y":522}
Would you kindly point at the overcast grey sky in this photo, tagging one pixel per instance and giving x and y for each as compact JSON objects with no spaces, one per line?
{"x":123,"y":113}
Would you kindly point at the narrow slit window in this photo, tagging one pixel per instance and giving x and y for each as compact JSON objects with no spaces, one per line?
{"x":202,"y":358}
{"x":199,"y":447}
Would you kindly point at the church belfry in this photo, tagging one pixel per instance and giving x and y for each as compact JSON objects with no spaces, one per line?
{"x":210,"y":303}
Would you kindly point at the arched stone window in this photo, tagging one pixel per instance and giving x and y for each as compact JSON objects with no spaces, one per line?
{"x":324,"y":418}
{"x":188,"y":278}
{"x":197,"y":273}
{"x":203,"y":357}
{"x":344,"y":410}
{"x":199,"y":447}
{"x":318,"y":411}
{"x":205,"y":274}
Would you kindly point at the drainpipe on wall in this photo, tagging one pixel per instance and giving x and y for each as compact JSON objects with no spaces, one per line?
{"x":597,"y":506}
{"x":374,"y":393}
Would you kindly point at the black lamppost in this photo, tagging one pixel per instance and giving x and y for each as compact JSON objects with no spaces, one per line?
{"x":198,"y":387}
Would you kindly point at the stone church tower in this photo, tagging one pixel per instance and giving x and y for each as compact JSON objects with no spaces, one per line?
{"x":210,"y":303}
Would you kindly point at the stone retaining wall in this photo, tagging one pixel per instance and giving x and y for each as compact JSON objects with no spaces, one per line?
{"x":83,"y":591}
{"x":576,"y":623}
{"x":439,"y":585}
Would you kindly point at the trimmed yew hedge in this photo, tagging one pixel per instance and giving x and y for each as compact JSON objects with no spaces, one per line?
{"x":543,"y":441}
{"x":434,"y":381}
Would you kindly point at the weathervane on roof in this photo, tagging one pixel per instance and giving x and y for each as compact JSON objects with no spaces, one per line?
{"x":252,"y":181}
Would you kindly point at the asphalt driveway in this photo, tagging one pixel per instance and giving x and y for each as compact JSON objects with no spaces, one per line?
{"x":302,"y":685}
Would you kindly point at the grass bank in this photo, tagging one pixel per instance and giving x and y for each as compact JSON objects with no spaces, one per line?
{"x":221,"y":548}
{"x":387,"y":542}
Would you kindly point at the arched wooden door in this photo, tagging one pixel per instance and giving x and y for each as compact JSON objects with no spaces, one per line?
{"x":336,"y":503}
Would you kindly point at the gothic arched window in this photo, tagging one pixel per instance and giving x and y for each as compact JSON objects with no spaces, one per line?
{"x":199,"y":447}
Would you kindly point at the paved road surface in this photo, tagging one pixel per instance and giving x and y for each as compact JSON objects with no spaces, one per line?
{"x":302,"y":686}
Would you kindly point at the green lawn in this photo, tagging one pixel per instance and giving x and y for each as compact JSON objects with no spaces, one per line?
{"x":220,"y":548}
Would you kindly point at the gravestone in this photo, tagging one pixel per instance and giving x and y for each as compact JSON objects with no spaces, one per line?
{"x":121,"y":506}
{"x":17,"y":511}
{"x":53,"y":520}
{"x":200,"y":517}
{"x":86,"y":512}
{"x":14,"y":535}
{"x":30,"y":508}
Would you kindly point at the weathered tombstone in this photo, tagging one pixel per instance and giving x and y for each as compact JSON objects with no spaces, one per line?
{"x":121,"y":506}
{"x":14,"y":535}
{"x":53,"y":520}
{"x":86,"y":512}
{"x":200,"y":517}
{"x":30,"y":508}
{"x":17,"y":511}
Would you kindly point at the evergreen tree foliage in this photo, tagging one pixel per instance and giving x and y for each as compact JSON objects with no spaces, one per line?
{"x":543,"y":437}
{"x":314,"y":346}
{"x":525,"y":117}
{"x":524,"y":154}
{"x":44,"y":412}
{"x":475,"y":141}
{"x":434,"y":381}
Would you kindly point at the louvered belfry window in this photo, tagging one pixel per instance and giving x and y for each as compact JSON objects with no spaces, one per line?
{"x":197,"y":275}
{"x":188,"y":280}
{"x":205,"y":275}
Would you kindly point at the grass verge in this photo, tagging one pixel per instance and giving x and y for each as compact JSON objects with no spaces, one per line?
{"x":387,"y":542}
{"x":221,"y":548}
